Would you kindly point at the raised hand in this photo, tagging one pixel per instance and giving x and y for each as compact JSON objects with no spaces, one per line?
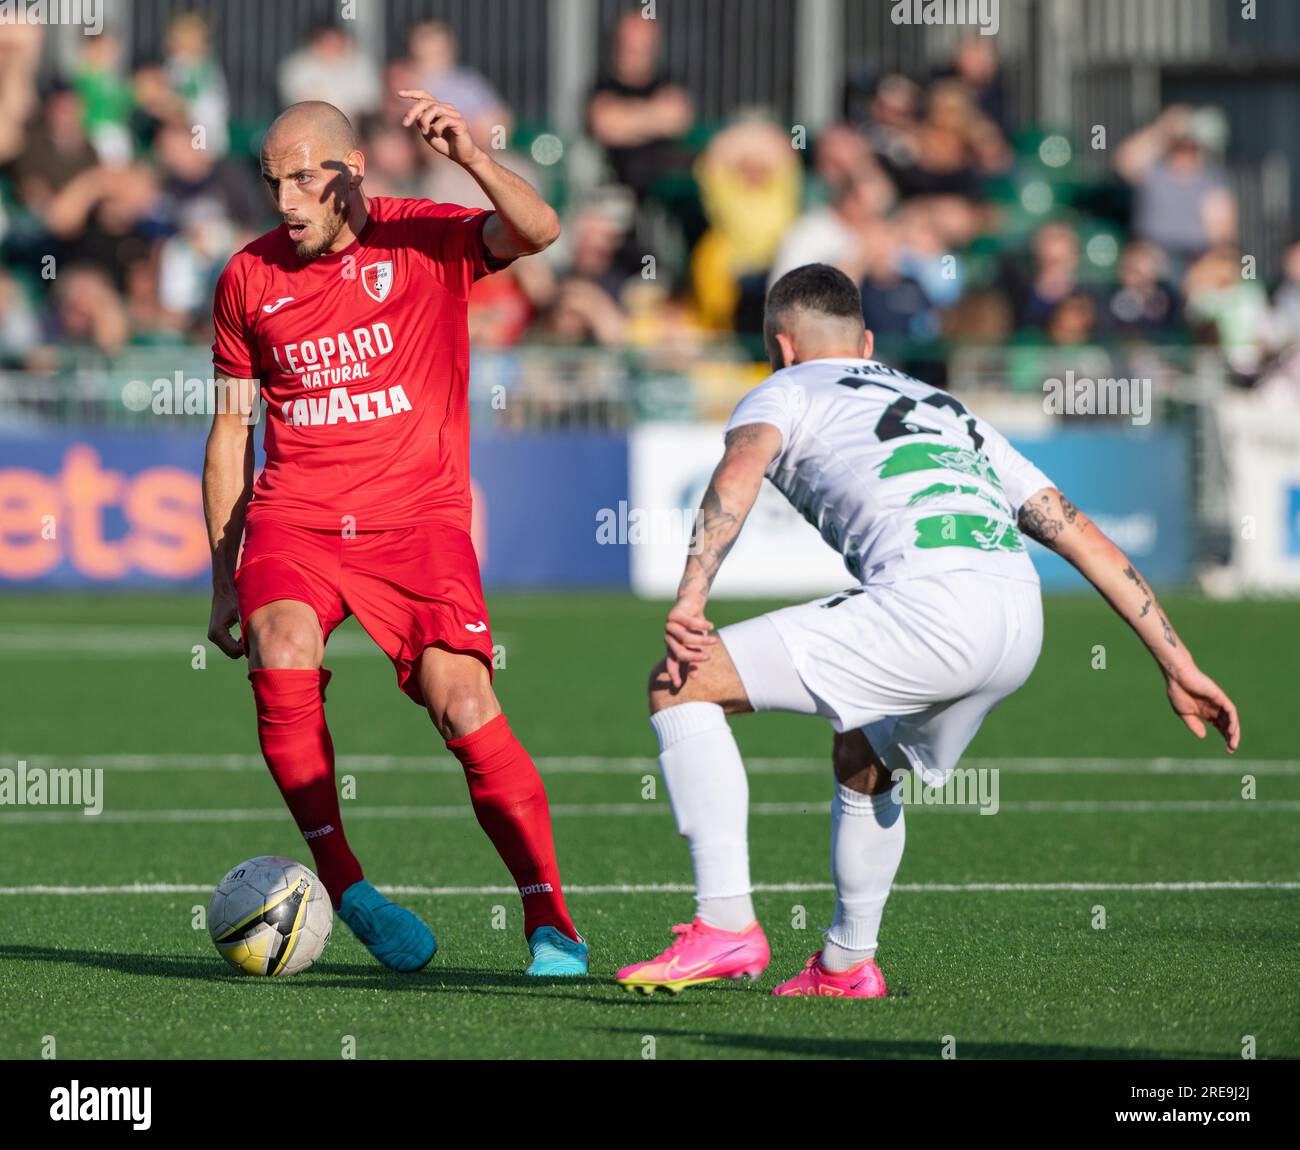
{"x":443,"y":128}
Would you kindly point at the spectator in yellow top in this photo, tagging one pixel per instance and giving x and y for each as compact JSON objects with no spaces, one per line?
{"x":750,"y":181}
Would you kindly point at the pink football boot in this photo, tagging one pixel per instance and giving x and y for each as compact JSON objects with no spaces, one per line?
{"x":861,"y":981}
{"x":700,"y":953}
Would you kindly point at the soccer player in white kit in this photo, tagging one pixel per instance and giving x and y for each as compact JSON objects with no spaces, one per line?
{"x":929,"y":506}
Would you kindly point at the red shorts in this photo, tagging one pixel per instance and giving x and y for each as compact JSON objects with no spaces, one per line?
{"x":410,"y":587}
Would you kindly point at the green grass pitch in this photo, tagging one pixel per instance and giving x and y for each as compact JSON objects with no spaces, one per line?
{"x":1100,"y":787}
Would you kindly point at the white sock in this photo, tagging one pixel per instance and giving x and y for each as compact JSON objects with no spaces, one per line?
{"x":866,"y":847}
{"x":709,"y":794}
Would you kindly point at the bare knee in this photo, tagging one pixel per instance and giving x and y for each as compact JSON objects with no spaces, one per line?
{"x":713,"y":682}
{"x":285,"y":636}
{"x":858,"y":766}
{"x":457,"y":693}
{"x":465,"y":708}
{"x":662,"y":694}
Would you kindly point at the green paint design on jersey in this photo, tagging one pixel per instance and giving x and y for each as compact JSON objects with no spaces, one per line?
{"x":938,"y":457}
{"x":967,"y":531}
{"x":940,"y":490}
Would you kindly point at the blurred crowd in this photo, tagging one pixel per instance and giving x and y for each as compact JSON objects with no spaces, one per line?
{"x":122,"y":195}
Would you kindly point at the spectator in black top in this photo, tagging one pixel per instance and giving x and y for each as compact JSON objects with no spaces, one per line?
{"x":976,"y":65}
{"x":189,"y":174}
{"x":56,"y":151}
{"x":894,"y":304}
{"x":956,"y":145}
{"x":1052,"y":279}
{"x":111,"y":218}
{"x":1141,"y":306}
{"x":635,"y":111}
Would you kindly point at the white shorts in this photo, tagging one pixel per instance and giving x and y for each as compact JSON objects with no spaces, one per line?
{"x":916,"y":665}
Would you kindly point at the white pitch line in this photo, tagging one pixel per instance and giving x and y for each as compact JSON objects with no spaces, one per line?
{"x":61,"y":640}
{"x":99,"y":640}
{"x":613,"y":764}
{"x":686,"y":888}
{"x":13,"y":817}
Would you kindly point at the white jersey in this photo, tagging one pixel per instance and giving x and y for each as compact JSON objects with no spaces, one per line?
{"x":897,"y":476}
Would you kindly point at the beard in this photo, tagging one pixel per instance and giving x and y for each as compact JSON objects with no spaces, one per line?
{"x":329,"y":227}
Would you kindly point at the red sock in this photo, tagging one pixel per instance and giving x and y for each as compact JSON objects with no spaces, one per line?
{"x":297,"y":747}
{"x":510,"y":803}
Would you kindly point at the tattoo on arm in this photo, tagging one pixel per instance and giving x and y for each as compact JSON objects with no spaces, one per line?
{"x":1148,"y":601}
{"x":1131,"y":573}
{"x":713,"y":536}
{"x":1169,"y":631}
{"x":718,"y":525}
{"x":1037,"y":521}
{"x":1044,"y":517}
{"x":745,"y":436}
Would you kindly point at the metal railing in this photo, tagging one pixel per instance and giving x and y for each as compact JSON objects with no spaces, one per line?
{"x":536,"y":386}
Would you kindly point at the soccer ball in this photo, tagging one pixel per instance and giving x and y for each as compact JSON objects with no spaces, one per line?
{"x":270,"y":915}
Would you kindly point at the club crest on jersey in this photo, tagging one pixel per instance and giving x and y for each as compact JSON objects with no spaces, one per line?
{"x":377,"y":279}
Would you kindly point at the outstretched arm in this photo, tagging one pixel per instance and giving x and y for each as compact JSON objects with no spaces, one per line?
{"x":1049,"y":517}
{"x":726,"y":503}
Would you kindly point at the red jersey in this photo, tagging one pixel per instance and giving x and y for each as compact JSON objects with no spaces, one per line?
{"x":363,"y":356}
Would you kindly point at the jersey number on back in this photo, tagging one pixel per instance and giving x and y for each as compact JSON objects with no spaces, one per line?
{"x":894,"y":423}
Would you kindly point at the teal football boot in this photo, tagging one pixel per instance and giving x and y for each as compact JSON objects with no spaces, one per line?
{"x":555,"y":954}
{"x":393,"y":934}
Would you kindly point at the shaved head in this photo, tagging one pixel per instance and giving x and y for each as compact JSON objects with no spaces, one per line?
{"x":312,"y":120}
{"x":313,"y":168}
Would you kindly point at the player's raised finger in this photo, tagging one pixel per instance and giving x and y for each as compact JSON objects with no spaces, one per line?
{"x":428,"y":113}
{"x":414,"y":111}
{"x":442,"y":124}
{"x":425,"y":113}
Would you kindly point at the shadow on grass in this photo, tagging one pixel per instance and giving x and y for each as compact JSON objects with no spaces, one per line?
{"x":594,"y":992}
{"x":795,"y":1046}
{"x":322,"y":975}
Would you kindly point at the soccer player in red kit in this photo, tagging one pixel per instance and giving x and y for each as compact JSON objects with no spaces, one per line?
{"x":352,"y":314}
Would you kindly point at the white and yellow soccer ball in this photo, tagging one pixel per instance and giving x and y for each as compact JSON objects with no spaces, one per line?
{"x":270,"y":915}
